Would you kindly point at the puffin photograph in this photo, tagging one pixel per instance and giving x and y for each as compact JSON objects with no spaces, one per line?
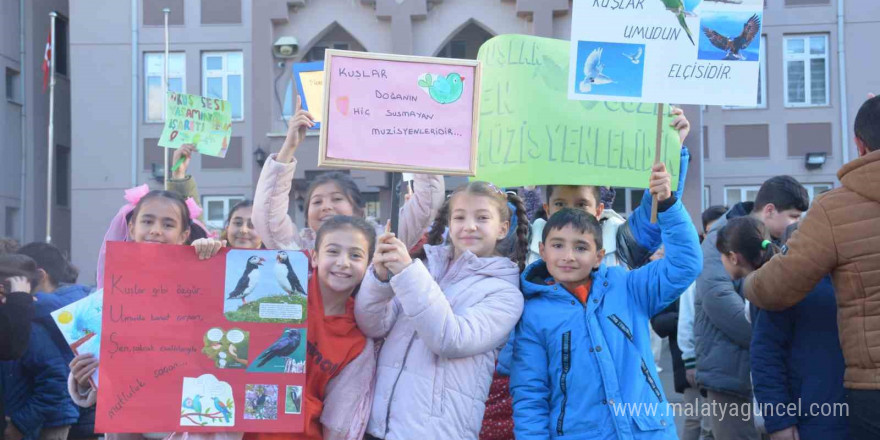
{"x":286,"y":276}
{"x":248,"y":280}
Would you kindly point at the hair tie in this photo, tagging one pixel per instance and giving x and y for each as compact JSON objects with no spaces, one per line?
{"x":498,"y":190}
{"x":513,"y":220}
{"x":764,"y":244}
{"x":194,"y":209}
{"x":134,"y":195}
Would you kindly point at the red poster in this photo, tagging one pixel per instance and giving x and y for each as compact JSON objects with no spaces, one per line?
{"x":202,"y":346}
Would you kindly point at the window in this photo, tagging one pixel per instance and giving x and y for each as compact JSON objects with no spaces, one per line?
{"x":455,"y":49}
{"x":62,"y":176}
{"x":762,"y":79}
{"x":737,"y":194}
{"x":373,"y":209}
{"x":316,"y":53}
{"x":706,"y":197}
{"x":61,"y":45}
{"x":154,"y":74}
{"x":222,"y":77}
{"x":13,"y":85}
{"x":806,"y":70}
{"x":814,"y":189}
{"x":11,"y":227}
{"x":217,"y":209}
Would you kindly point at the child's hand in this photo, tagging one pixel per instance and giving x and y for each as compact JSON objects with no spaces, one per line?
{"x":185,"y":151}
{"x":208,"y":247}
{"x":378,"y":267}
{"x":83,"y":366}
{"x":19,"y":284}
{"x":661,"y":185}
{"x":11,"y":432}
{"x":680,"y":123}
{"x":297,"y":126}
{"x":392,"y":253}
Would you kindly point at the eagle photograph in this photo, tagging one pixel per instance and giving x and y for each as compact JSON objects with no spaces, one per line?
{"x":730,"y":37}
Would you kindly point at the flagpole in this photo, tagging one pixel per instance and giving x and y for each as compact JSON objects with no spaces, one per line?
{"x":51,"y":142}
{"x":166,"y":11}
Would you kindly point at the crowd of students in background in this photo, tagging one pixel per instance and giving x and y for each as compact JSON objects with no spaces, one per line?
{"x":499,"y":314}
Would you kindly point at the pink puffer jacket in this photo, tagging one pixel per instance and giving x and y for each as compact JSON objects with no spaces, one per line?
{"x":272,"y":199}
{"x":443,"y":322}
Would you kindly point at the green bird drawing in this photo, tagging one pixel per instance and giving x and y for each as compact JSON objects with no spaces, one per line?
{"x":677,"y":8}
{"x":444,"y":90}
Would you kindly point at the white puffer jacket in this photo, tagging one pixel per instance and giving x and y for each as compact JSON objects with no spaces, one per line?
{"x":442,"y":339}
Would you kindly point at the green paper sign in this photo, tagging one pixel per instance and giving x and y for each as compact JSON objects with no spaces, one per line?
{"x":203,"y":122}
{"x":532,"y":134}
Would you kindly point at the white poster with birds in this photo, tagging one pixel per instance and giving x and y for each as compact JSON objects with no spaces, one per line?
{"x":682,"y":51}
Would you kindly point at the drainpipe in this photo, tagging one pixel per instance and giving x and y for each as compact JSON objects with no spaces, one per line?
{"x":841,"y":64}
{"x":22,"y":204}
{"x":134,"y":92}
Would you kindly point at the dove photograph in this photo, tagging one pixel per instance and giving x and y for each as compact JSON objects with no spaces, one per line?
{"x":609,"y":69}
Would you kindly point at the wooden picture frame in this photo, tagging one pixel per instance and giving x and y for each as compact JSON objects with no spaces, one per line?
{"x":326,"y":160}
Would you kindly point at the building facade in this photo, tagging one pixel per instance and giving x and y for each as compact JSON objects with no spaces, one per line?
{"x":806,"y":107}
{"x":24,"y":119}
{"x":225,"y":48}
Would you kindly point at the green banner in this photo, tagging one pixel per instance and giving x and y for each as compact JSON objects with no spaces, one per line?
{"x":532,"y":134}
{"x":203,"y":122}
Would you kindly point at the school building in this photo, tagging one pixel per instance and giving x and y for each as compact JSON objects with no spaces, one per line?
{"x":244,"y":50}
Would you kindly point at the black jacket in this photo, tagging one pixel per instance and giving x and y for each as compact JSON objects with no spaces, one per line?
{"x":15,"y":325}
{"x":665,"y":324}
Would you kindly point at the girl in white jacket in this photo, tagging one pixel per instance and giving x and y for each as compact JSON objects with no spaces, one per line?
{"x":443,"y":316}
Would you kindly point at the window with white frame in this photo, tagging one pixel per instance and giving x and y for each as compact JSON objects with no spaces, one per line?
{"x":706,"y":198}
{"x":217,"y":209}
{"x":762,"y":79}
{"x":738,"y":194}
{"x":223,"y":78}
{"x":806,"y":70}
{"x":154,"y":75}
{"x":814,"y":189}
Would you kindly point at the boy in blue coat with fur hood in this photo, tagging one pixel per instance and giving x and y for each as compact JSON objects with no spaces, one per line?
{"x":582,"y":361}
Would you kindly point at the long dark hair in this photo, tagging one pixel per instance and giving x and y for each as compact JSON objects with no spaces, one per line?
{"x":346,"y":184}
{"x":519,"y":250}
{"x":196,"y":231}
{"x":748,"y":237}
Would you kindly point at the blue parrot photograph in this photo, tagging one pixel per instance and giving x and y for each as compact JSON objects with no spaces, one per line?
{"x":287,"y":349}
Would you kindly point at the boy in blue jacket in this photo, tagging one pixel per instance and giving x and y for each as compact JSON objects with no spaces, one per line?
{"x":582,"y":360}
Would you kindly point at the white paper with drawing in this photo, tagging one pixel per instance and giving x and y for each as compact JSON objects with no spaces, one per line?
{"x":680,"y":51}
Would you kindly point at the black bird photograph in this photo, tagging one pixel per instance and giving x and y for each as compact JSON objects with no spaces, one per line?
{"x":295,"y":397}
{"x":248,"y":280}
{"x":283,"y":347}
{"x":734,"y":45}
{"x":286,"y":276}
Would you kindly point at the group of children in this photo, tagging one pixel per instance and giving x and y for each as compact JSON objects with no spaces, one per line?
{"x":569,"y":299}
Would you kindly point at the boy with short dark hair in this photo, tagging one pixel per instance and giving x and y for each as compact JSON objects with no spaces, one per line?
{"x":582,"y":349}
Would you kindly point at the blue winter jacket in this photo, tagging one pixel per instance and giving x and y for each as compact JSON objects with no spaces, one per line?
{"x":577,"y":368}
{"x":35,"y":387}
{"x":796,"y":358}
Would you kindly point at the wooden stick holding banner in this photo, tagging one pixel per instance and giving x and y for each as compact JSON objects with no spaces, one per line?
{"x":396,"y":180}
{"x":657,"y":157}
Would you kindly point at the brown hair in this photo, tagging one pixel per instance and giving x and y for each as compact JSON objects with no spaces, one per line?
{"x":748,"y":237}
{"x":520,"y":248}
{"x":17,"y":265}
{"x":345,"y":184}
{"x":196,"y":232}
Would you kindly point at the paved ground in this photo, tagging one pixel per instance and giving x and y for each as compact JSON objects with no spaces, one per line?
{"x":668,"y":381}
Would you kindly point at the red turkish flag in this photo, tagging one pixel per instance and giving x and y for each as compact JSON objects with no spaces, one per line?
{"x":47,"y":60}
